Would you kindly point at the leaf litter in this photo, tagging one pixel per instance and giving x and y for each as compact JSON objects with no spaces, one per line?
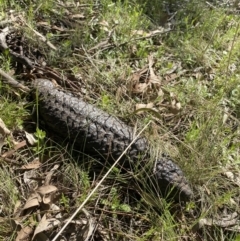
{"x":144,"y":83}
{"x":42,"y":200}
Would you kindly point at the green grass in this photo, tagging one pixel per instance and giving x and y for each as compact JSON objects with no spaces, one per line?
{"x":197,"y":65}
{"x":13,"y":114}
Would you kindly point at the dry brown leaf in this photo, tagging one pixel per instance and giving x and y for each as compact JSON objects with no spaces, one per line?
{"x":47,"y":200}
{"x":138,"y":74}
{"x":134,"y":83}
{"x":49,"y":175}
{"x":140,"y":88}
{"x":24,"y":234}
{"x":42,"y":23}
{"x":133,"y":50}
{"x":235,"y":178}
{"x":32,"y":201}
{"x":45,"y":224}
{"x":225,"y":118}
{"x":153,"y":78}
{"x":229,"y":175}
{"x":171,"y":77}
{"x":139,"y":32}
{"x":104,"y":23}
{"x":56,"y":208}
{"x":104,"y":26}
{"x":173,"y":109}
{"x":225,"y":221}
{"x":149,"y":105}
{"x":28,"y":178}
{"x":30,"y":138}
{"x":3,"y":129}
{"x":135,"y":78}
{"x":176,"y":106}
{"x":17,"y":146}
{"x":141,"y":106}
{"x":46,"y":189}
{"x":198,"y":75}
{"x":32,"y":165}
{"x":16,"y":206}
{"x":160,"y":93}
{"x":77,"y":16}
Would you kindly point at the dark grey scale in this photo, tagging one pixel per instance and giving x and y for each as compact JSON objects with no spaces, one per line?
{"x":104,"y":136}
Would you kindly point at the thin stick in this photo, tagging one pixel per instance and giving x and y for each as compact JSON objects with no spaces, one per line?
{"x":11,"y":81}
{"x":100,"y":182}
{"x":43,"y":38}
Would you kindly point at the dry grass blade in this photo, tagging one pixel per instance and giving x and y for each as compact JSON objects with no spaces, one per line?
{"x":44,"y":39}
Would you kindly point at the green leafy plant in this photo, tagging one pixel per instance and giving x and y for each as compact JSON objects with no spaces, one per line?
{"x":64,"y":200}
{"x":5,"y":60}
{"x":40,"y":135}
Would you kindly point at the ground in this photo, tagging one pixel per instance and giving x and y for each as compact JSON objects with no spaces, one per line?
{"x":176,"y":65}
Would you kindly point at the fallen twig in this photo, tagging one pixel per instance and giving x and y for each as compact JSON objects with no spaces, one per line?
{"x":11,"y":81}
{"x":44,"y":39}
